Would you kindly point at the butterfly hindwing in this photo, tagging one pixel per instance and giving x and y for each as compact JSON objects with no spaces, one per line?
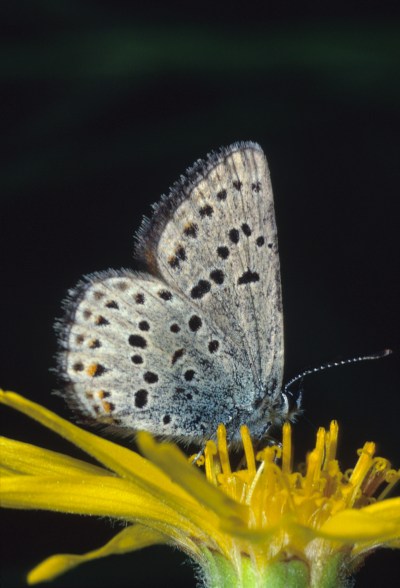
{"x":140,"y":357}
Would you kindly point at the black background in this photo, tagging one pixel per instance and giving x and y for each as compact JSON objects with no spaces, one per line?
{"x":104,"y":106}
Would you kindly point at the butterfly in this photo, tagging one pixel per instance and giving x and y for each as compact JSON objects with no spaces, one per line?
{"x":196,"y":339}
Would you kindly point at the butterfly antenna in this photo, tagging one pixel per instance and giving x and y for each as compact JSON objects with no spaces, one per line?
{"x":333,"y":364}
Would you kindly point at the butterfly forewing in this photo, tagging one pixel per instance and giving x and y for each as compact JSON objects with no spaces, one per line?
{"x":219,"y":249}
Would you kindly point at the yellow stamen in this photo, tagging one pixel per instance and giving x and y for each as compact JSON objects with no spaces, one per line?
{"x":248,"y":450}
{"x":210,"y":466}
{"x":331,"y":443}
{"x":358,"y":474}
{"x":223,"y":450}
{"x":286,"y":449}
{"x":313,"y":460}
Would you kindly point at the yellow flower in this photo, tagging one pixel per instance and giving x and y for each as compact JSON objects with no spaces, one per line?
{"x":263,"y":524}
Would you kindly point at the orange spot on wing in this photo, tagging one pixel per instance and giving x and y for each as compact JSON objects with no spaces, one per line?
{"x":107,"y":406}
{"x":92,"y":369}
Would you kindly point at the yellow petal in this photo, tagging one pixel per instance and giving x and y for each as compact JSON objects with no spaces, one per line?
{"x":388,"y":509}
{"x":23,"y":458}
{"x":169,"y":458}
{"x":116,"y":457}
{"x":121,"y":460}
{"x":90,"y":495}
{"x":360,"y":525}
{"x":129,"y":539}
{"x":148,"y":487}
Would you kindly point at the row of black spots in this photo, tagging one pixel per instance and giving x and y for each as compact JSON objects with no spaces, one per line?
{"x":201,"y":289}
{"x":166,"y":419}
{"x":260,"y":242}
{"x":213,"y":346}
{"x":144,"y":326}
{"x":179,"y":256}
{"x":222,"y":194}
{"x":137,"y":359}
{"x":248,"y":277}
{"x":174,"y":328}
{"x":234,"y":234}
{"x":204,"y":286}
{"x":92,"y":343}
{"x":108,"y":406}
{"x":182,"y":391}
{"x":255,"y":186}
{"x":94,"y":370}
{"x":206,"y":210}
{"x":223,"y":251}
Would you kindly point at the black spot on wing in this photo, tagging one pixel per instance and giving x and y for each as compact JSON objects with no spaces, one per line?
{"x":141,"y":397}
{"x":223,"y":252}
{"x":217,"y":276}
{"x":137,"y":341}
{"x":201,"y":289}
{"x":206,"y":210}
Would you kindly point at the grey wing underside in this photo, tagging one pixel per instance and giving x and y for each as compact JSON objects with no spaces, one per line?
{"x":140,"y":357}
{"x":199,"y":339}
{"x":231,"y":237}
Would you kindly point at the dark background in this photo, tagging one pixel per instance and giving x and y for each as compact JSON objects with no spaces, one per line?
{"x":104,"y":105}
